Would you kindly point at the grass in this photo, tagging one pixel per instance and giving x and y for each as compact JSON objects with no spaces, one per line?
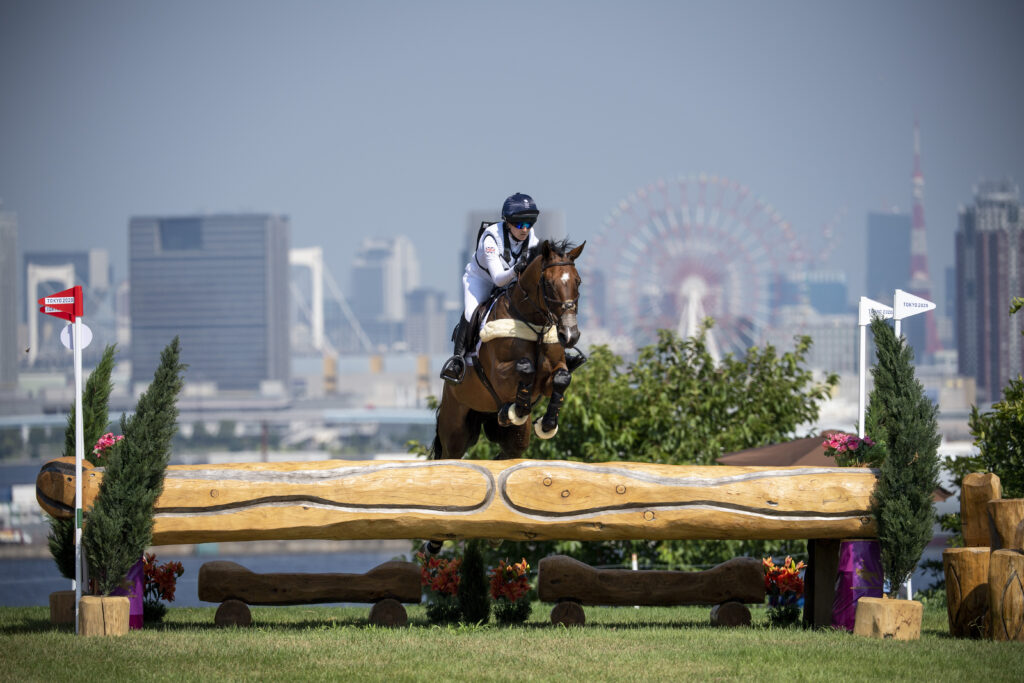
{"x":327,"y":643}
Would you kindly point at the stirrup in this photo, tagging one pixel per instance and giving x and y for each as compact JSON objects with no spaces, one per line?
{"x":574,"y":358}
{"x":454,"y":370}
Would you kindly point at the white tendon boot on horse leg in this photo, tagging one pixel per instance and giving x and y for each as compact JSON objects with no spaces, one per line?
{"x":538,"y":429}
{"x":515,"y":418}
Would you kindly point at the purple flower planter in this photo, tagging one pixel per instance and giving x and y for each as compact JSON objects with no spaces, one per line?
{"x":859,"y":576}
{"x":135,"y":580}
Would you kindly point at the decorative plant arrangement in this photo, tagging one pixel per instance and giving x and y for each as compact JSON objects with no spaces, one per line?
{"x":850,"y":450}
{"x":160,"y":584}
{"x":119,"y":526}
{"x":904,"y":419}
{"x":784,"y":587}
{"x":510,"y":585}
{"x":440,"y":577}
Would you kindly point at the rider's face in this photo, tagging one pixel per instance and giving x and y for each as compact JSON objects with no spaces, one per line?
{"x":519,"y":233}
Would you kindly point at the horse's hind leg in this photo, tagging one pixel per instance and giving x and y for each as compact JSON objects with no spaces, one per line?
{"x":547,"y":426}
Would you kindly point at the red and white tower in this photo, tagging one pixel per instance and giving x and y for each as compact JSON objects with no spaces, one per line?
{"x":920,"y":282}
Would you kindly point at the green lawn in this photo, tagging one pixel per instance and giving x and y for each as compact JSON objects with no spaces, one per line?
{"x":647,"y":644}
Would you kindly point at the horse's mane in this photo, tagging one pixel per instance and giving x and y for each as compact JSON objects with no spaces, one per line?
{"x":558,"y":248}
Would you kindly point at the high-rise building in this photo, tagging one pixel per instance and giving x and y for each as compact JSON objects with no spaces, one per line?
{"x":426,"y":323}
{"x":8,"y":300}
{"x":989,"y":273}
{"x":384,"y":271}
{"x":888,"y":255}
{"x":921,"y":331}
{"x":220,"y":283}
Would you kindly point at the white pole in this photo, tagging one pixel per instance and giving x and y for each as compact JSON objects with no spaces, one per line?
{"x":896,"y":328}
{"x":863,"y":380}
{"x":865,"y":310}
{"x":79,"y":455}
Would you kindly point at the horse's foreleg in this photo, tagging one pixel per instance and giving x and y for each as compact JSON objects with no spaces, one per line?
{"x":518,"y":413}
{"x":547,"y":426}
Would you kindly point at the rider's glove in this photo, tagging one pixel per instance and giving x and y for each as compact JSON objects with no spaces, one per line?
{"x":519,"y":267}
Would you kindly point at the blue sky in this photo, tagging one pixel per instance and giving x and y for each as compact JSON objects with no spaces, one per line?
{"x":387,"y":118}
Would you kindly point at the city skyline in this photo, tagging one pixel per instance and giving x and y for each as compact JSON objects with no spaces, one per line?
{"x":359,"y":121}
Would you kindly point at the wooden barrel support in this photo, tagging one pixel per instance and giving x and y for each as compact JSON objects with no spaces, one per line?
{"x":1004,"y":517}
{"x":976,"y":490}
{"x":1006,"y":595}
{"x":966,"y":571}
{"x":516,"y":500}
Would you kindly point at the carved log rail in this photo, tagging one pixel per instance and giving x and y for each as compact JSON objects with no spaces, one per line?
{"x":511,"y":499}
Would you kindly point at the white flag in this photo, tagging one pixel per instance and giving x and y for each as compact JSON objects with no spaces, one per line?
{"x":906,"y":305}
{"x":869,"y":308}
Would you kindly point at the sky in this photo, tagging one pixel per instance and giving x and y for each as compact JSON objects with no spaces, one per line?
{"x":361,"y":119}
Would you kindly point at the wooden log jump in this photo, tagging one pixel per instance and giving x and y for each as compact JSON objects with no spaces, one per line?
{"x":386,"y":586}
{"x":511,"y":499}
{"x":572,"y":584}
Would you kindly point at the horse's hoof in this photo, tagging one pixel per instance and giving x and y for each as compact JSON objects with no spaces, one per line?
{"x":517,"y":419}
{"x":431,"y":547}
{"x":538,"y":429}
{"x":495,"y":543}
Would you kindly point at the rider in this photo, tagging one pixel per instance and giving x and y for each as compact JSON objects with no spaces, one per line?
{"x":500,"y":257}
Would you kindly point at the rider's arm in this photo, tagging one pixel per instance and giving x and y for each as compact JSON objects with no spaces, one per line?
{"x":492,"y":262}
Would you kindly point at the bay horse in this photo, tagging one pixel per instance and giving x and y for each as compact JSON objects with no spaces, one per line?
{"x":521,"y":359}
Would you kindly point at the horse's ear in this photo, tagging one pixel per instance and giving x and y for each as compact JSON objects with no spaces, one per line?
{"x":545,"y":249}
{"x":575,"y":253}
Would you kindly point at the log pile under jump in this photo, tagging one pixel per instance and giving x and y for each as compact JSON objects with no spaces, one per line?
{"x":387,"y":586}
{"x":571,"y":584}
{"x":512,"y":499}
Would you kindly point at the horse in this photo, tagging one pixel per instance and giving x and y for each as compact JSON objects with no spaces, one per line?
{"x":521,"y":359}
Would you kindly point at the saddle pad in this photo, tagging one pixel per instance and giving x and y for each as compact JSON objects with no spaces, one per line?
{"x":498,"y":329}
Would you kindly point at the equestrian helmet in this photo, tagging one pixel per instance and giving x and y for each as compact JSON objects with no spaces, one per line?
{"x":520,"y":206}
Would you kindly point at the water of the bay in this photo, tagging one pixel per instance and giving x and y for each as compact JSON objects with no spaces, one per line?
{"x":28,"y":582}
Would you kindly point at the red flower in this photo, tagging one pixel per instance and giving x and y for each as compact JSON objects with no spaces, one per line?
{"x":510,"y":581}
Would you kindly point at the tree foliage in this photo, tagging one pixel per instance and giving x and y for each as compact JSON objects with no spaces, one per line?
{"x":906,"y":424}
{"x":95,"y":418}
{"x":474,"y":602}
{"x":675,"y":405}
{"x":999,"y":436}
{"x":120,"y":524}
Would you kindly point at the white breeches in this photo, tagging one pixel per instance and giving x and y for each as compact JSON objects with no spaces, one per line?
{"x":475,"y":290}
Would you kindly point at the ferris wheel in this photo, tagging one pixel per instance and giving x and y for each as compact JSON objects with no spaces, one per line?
{"x":678,"y":250}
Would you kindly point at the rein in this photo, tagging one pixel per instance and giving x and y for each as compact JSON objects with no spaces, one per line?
{"x":549,"y":303}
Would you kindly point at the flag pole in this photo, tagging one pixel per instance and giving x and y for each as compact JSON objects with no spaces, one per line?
{"x":79,"y":455}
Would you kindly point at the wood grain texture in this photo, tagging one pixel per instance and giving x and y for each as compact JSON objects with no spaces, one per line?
{"x":103,"y":615}
{"x":562,"y":578}
{"x":220,"y":581}
{"x":511,"y":499}
{"x":966,"y":571}
{"x":886,"y":618}
{"x":977,"y":489}
{"x":1004,"y":516}
{"x":1006,"y":595}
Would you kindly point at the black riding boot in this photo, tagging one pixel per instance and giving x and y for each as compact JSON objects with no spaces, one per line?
{"x":454,"y":369}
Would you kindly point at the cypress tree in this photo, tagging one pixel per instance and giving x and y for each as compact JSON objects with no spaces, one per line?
{"x":473,"y":598}
{"x":904,"y":422}
{"x":120,"y":523}
{"x":95,"y":417}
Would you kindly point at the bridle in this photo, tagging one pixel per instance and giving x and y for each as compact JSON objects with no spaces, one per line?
{"x":551,"y":303}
